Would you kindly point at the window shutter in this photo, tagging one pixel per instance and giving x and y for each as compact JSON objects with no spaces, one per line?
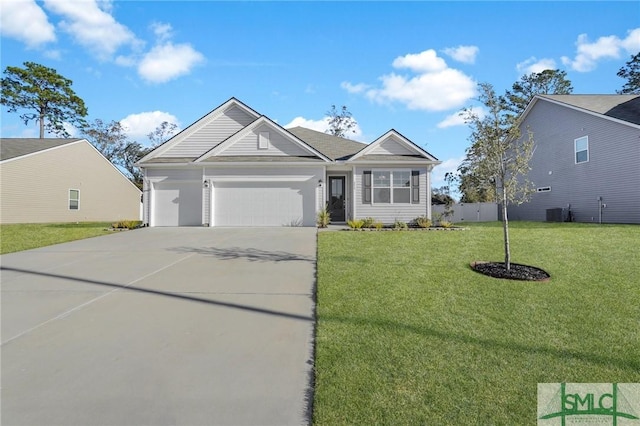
{"x":415,"y":186}
{"x":366,"y":187}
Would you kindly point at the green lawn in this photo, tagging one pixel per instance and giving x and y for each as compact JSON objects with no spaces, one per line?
{"x":409,"y":334}
{"x":20,"y":237}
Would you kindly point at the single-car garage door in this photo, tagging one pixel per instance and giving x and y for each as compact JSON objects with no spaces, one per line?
{"x":264,"y":204}
{"x":177,"y":204}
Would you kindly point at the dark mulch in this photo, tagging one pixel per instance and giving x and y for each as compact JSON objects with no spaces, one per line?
{"x":517,"y":271}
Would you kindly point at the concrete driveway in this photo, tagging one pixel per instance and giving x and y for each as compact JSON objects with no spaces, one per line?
{"x":161,"y":326}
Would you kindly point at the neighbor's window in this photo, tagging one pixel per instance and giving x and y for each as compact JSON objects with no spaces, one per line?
{"x":582,"y":149}
{"x":74,"y":199}
{"x":392,"y":187}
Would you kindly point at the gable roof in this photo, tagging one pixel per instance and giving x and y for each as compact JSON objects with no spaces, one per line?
{"x":263,"y":120}
{"x":334,"y":147}
{"x":620,"y":107}
{"x":411,"y":149}
{"x":18,"y":147}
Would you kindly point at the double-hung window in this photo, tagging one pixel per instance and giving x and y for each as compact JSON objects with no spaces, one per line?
{"x":391,"y":186}
{"x":582,"y":149}
{"x":74,"y":199}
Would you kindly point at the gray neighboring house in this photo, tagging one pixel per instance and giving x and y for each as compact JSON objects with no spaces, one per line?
{"x":236,"y":167}
{"x":587,"y":157}
{"x":62,"y":180}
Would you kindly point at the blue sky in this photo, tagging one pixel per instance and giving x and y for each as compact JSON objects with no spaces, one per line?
{"x":411,"y":66}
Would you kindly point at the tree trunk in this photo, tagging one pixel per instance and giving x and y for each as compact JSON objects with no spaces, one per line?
{"x":41,"y":122}
{"x":505,"y":227}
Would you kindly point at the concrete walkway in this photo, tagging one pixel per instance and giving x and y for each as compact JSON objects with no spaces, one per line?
{"x":161,"y":326}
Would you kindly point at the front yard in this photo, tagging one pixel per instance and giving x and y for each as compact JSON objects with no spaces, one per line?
{"x":408,"y":334}
{"x":25,"y":236}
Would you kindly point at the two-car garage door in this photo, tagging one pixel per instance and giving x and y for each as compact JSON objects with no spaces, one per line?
{"x":235,"y":204}
{"x":263,"y":204}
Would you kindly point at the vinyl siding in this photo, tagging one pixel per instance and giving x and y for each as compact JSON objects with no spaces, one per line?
{"x":612,"y":172}
{"x":278,"y":145}
{"x":35,"y":189}
{"x":391,"y":147}
{"x":389,"y":213}
{"x":210,"y":134}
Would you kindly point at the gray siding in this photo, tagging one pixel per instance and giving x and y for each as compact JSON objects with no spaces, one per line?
{"x":35,"y":189}
{"x":210,"y":134}
{"x":391,"y":147}
{"x":278,"y":145}
{"x":612,"y":172}
{"x":389,"y":213}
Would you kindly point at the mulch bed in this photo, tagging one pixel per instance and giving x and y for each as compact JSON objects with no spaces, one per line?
{"x":517,"y":271}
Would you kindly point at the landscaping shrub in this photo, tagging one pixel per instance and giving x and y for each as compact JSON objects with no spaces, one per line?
{"x":422,"y":222}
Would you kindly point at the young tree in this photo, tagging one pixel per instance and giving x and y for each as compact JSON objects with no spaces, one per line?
{"x":108,"y":138}
{"x":340,"y":123}
{"x":631,"y":72}
{"x":547,"y":82}
{"x":499,"y":154}
{"x":162,"y":133}
{"x":46,"y":96}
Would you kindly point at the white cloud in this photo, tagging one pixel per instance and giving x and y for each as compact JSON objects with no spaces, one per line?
{"x":459,"y":118}
{"x":436,"y":87}
{"x":92,"y":26}
{"x":26,"y":21}
{"x":162,"y":31}
{"x":535,"y":65}
{"x":354,"y":88}
{"x":423,"y":62}
{"x":608,"y":47}
{"x":168,"y":61}
{"x":138,"y":126}
{"x":322,"y":125}
{"x":466,"y":54}
{"x":448,"y":166}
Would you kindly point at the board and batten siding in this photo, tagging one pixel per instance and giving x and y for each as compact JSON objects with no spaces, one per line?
{"x":35,"y":188}
{"x":389,"y":213}
{"x":210,"y":134}
{"x":612,"y":172}
{"x":278,"y":145}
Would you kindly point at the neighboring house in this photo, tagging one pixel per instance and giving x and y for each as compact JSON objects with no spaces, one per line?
{"x":586,"y":158}
{"x":62,"y":180}
{"x":236,"y":167}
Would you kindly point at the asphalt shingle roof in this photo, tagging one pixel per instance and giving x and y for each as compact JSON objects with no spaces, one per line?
{"x":17,"y":147}
{"x":622,"y":107}
{"x":331,"y":146}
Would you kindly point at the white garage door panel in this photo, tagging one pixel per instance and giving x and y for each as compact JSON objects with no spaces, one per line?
{"x":264,"y":204}
{"x":177,"y":204}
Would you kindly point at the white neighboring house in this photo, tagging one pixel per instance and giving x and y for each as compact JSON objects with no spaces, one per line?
{"x":62,"y":180}
{"x":236,"y":167}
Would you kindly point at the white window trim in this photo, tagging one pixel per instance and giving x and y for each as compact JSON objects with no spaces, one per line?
{"x":69,"y":199}
{"x":575,"y":150}
{"x":391,"y":187}
{"x":263,"y":140}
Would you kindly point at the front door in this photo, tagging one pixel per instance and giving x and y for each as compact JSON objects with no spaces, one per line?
{"x":337,"y":201}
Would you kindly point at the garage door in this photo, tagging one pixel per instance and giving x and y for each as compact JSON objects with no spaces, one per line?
{"x":177,"y":204}
{"x":264,"y":204}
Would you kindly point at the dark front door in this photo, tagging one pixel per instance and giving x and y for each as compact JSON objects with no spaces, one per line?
{"x":337,"y":201}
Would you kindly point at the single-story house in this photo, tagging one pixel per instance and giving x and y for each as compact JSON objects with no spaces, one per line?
{"x":62,"y":180}
{"x":586,"y":159}
{"x":236,"y":167}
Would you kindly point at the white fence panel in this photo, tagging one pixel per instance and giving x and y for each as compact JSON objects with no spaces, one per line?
{"x":469,"y":212}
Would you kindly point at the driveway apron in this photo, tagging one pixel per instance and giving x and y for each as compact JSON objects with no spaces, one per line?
{"x":161,"y":326}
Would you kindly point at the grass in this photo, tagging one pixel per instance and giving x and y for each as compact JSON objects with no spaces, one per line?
{"x":408,"y":334}
{"x":18,"y":237}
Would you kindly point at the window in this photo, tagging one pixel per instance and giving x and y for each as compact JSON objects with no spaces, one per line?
{"x":391,"y":187}
{"x":263,"y":140}
{"x":582,"y":149}
{"x":74,"y":199}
